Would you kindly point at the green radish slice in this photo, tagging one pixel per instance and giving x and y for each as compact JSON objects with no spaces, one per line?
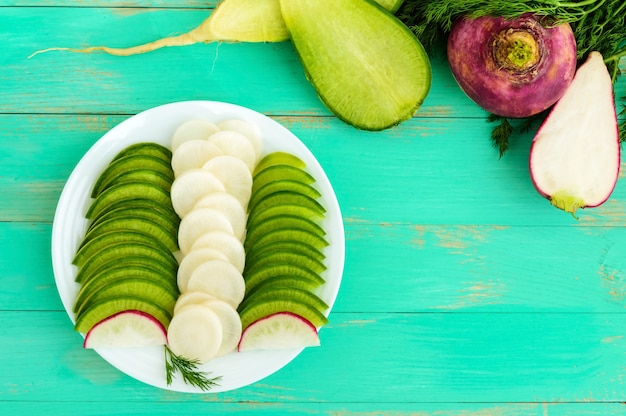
{"x":282,"y":198}
{"x":279,"y":158}
{"x":199,"y":222}
{"x":266,"y":307}
{"x":283,"y":185}
{"x":127,"y":192}
{"x":282,"y":221}
{"x":278,"y":172}
{"x":193,"y":154}
{"x":235,"y":144}
{"x":366,"y":66}
{"x":140,"y":175}
{"x":192,"y":260}
{"x":234,"y":175}
{"x":146,"y":209}
{"x":279,"y":257}
{"x":218,"y":278}
{"x":263,"y":274}
{"x":192,"y":185}
{"x":249,"y":130}
{"x":258,"y":216}
{"x":195,"y":333}
{"x":228,"y":205}
{"x":194,"y":129}
{"x":277,"y":292}
{"x":257,"y":253}
{"x":128,"y":329}
{"x":279,"y":331}
{"x":291,"y":281}
{"x":287,"y":234}
{"x":231,"y":324}
{"x":224,"y":242}
{"x":146,"y":148}
{"x":191,"y":297}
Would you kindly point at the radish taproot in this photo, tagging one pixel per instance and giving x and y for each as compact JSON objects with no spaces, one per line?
{"x":512,"y":67}
{"x":575,"y":155}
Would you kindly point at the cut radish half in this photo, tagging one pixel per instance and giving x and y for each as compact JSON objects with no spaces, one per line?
{"x":193,"y":154}
{"x":195,"y":333}
{"x":234,"y":175}
{"x":195,"y":129}
{"x":126,"y":329}
{"x":199,"y":222}
{"x":220,"y":279}
{"x":278,"y":331}
{"x":251,"y":131}
{"x":192,"y":260}
{"x":192,"y":185}
{"x":228,"y":205}
{"x":235,"y":144}
{"x":225,"y":242}
{"x":575,"y":156}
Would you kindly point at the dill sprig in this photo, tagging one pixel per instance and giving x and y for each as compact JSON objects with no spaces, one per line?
{"x":188,"y":369}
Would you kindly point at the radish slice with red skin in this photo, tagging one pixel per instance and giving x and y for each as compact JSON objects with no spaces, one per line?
{"x":128,"y":329}
{"x":278,"y":331}
{"x":575,"y":155}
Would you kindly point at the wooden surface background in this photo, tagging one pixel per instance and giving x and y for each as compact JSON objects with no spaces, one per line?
{"x":464,"y":292}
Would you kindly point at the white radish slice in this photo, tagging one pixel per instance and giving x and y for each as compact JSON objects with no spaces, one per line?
{"x":192,"y":185}
{"x":193,"y":154}
{"x":199,"y":222}
{"x":191,"y":298}
{"x":234,"y":175}
{"x":125,"y":330}
{"x":195,"y":333}
{"x":231,"y":324}
{"x":194,"y":129}
{"x":250,"y":130}
{"x":235,"y":144}
{"x":228,"y":205}
{"x":278,"y":331}
{"x":226,"y":243}
{"x":220,"y":279}
{"x":192,"y":260}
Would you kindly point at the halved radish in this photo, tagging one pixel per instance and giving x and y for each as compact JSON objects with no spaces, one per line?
{"x":194,"y":129}
{"x":195,"y":333}
{"x":220,"y":279}
{"x":199,"y":222}
{"x":228,"y":205}
{"x":226,"y":243}
{"x":192,"y":260}
{"x":235,"y":144}
{"x":234,"y":175}
{"x":192,"y":185}
{"x":193,"y":154}
{"x":250,"y":130}
{"x":277,"y":331}
{"x":191,"y":297}
{"x":126,"y":329}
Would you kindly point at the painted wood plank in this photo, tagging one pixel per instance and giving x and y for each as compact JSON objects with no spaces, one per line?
{"x":365,"y":358}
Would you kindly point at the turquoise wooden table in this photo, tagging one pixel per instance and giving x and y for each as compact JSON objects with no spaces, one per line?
{"x":464,"y":292}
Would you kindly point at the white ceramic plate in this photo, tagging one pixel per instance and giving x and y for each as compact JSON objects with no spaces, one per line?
{"x":158,"y":125}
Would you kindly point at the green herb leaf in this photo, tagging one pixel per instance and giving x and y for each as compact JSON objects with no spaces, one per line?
{"x":188,"y":370}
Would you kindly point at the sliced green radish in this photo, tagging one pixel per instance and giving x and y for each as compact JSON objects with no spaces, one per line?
{"x":234,"y":175}
{"x":140,"y":175}
{"x":146,"y":148}
{"x":231,"y":324}
{"x":280,"y":172}
{"x":299,"y":247}
{"x":192,"y":185}
{"x":258,"y":216}
{"x":281,"y":198}
{"x":194,"y":129}
{"x":235,"y":144}
{"x":193,"y":154}
{"x":228,"y":205}
{"x":249,"y":130}
{"x":129,"y":163}
{"x":191,"y":297}
{"x":291,"y":281}
{"x":199,"y":222}
{"x":366,"y":66}
{"x":286,"y":257}
{"x":218,"y":278}
{"x":283,"y":221}
{"x":278,"y":331}
{"x":192,"y":260}
{"x":156,"y":213}
{"x":266,"y":307}
{"x":261,"y":275}
{"x":127,"y":192}
{"x":287,"y":234}
{"x":104,"y":308}
{"x":128,"y":329}
{"x":195,"y":333}
{"x":224,"y":242}
{"x":279,"y":158}
{"x":277,"y":292}
{"x":283,"y":185}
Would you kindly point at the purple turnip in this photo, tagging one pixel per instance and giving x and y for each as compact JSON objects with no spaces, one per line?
{"x":512,"y":67}
{"x":575,"y":155}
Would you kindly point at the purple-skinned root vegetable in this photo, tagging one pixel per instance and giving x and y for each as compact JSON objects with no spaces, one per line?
{"x":575,"y":155}
{"x":512,"y":67}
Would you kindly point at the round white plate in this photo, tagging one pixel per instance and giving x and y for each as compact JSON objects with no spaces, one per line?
{"x":158,"y":125}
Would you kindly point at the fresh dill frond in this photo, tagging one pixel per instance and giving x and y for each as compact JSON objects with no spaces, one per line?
{"x":500,"y":134}
{"x":188,"y":370}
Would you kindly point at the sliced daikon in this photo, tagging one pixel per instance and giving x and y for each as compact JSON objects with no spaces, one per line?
{"x":199,"y":222}
{"x":193,"y":154}
{"x":220,"y":279}
{"x":192,"y":185}
{"x":195,"y":333}
{"x":235,"y":144}
{"x":194,"y":129}
{"x":228,"y":205}
{"x":234,"y":175}
{"x":250,"y":130}
{"x":231,"y":324}
{"x":225,"y":242}
{"x":191,"y":297}
{"x":192,"y":260}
